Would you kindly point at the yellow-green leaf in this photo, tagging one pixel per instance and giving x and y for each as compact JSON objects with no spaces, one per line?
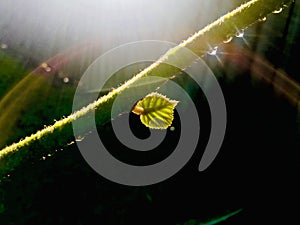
{"x":156,"y":111}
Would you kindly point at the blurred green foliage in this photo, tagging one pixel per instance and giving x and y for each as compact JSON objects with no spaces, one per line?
{"x":11,"y":71}
{"x":50,"y":103}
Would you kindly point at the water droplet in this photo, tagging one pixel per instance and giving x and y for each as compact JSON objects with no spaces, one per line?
{"x":3,"y":46}
{"x":277,"y":11}
{"x":172,"y":128}
{"x":66,"y":80}
{"x":240,"y":33}
{"x":72,"y":142}
{"x":213,"y":51}
{"x":262,"y":19}
{"x":229,"y":39}
{"x":46,"y":67}
{"x":43,"y":158}
{"x":79,"y":138}
{"x":49,"y":155}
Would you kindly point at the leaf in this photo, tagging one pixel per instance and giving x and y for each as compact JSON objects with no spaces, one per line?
{"x":156,"y":111}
